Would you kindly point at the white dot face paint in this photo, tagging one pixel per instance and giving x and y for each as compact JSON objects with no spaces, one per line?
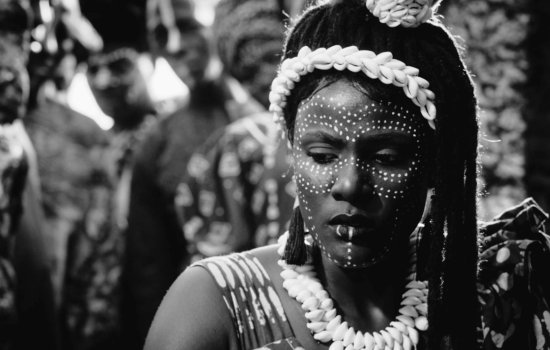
{"x":361,"y":172}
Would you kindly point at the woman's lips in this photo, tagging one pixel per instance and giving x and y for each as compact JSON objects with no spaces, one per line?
{"x":353,"y":234}
{"x":352,"y":228}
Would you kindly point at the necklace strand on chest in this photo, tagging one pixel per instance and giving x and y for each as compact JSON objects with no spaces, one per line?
{"x":327,"y":326}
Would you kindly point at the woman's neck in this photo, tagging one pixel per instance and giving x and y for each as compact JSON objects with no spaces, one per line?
{"x":368,"y":298}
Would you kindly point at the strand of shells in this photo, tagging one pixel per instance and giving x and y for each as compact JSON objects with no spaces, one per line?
{"x":382,"y":67}
{"x":406,"y":13}
{"x":326,"y":325}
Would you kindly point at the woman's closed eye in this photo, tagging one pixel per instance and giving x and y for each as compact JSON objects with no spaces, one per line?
{"x":390,"y":157}
{"x":322,"y":155}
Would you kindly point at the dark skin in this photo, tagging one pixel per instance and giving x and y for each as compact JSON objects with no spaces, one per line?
{"x":367,"y":296}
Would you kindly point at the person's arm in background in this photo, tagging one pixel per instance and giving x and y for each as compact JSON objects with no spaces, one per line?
{"x":155,"y":247}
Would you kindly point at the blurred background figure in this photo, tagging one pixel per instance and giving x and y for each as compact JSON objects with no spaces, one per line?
{"x":155,"y":245}
{"x":26,"y":294}
{"x":118,"y":77}
{"x":236,"y":194}
{"x":13,"y":170}
{"x":75,"y":183}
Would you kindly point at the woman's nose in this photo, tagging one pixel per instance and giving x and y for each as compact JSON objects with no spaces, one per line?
{"x":352,"y":183}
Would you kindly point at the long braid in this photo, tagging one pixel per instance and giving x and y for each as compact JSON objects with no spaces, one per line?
{"x":453,"y":310}
{"x":456,"y":193}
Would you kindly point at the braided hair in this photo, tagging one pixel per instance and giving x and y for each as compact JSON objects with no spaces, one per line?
{"x":452,"y":259}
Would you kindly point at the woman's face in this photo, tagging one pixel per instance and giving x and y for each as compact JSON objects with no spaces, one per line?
{"x":361,"y":169}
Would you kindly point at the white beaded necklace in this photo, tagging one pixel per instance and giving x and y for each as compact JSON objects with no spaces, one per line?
{"x":326,"y":326}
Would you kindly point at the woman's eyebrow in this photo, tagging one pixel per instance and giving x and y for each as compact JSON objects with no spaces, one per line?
{"x":322,"y":136}
{"x":396,"y":136}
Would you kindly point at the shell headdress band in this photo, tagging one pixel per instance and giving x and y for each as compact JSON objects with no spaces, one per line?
{"x":382,"y":66}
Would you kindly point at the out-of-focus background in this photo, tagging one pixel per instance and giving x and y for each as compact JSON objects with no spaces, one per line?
{"x":134,"y":140}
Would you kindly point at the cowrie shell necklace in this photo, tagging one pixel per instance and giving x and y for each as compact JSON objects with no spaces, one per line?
{"x":327,"y":326}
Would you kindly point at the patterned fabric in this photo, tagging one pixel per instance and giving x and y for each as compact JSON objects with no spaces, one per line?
{"x":514,"y":289}
{"x":237,"y":193}
{"x":95,"y":252}
{"x":257,"y":312}
{"x":13,"y":172}
{"x":80,"y":167}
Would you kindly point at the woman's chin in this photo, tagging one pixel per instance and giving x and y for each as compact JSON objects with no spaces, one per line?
{"x":353,"y":257}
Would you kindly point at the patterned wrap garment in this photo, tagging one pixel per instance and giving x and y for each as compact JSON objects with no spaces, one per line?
{"x":513,"y":289}
{"x":237,"y":193}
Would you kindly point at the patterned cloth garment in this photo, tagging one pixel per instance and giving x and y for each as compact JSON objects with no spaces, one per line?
{"x":257,"y":312}
{"x":513,"y":289}
{"x":237,"y":193}
{"x":84,"y":191}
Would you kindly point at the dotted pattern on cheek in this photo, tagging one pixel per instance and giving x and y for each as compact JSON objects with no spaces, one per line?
{"x":314,"y":179}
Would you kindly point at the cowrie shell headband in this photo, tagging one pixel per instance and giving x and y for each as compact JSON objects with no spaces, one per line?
{"x":381,"y":67}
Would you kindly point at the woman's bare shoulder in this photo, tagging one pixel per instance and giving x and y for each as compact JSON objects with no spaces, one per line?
{"x":192,"y":315}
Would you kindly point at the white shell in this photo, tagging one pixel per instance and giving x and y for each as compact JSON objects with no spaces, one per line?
{"x":413,"y":293}
{"x":310,"y":303}
{"x":408,"y":311}
{"x":422,"y":308}
{"x":387,"y":338}
{"x":329,"y":315}
{"x":323,"y":336}
{"x":288,"y":274}
{"x":421,"y":323}
{"x":358,"y":341}
{"x":327,"y":304}
{"x":399,"y":326}
{"x":378,"y":339}
{"x":406,"y":320}
{"x":332,"y":325}
{"x":337,"y":345}
{"x":316,"y":327}
{"x":303,"y":295}
{"x":413,"y":334}
{"x":411,"y":301}
{"x":349,"y":337}
{"x":315,"y":315}
{"x":395,"y":334}
{"x":340,"y":331}
{"x":407,"y":344}
{"x":369,"y":341}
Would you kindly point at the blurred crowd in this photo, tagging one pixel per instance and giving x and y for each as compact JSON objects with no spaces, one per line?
{"x":134,"y":140}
